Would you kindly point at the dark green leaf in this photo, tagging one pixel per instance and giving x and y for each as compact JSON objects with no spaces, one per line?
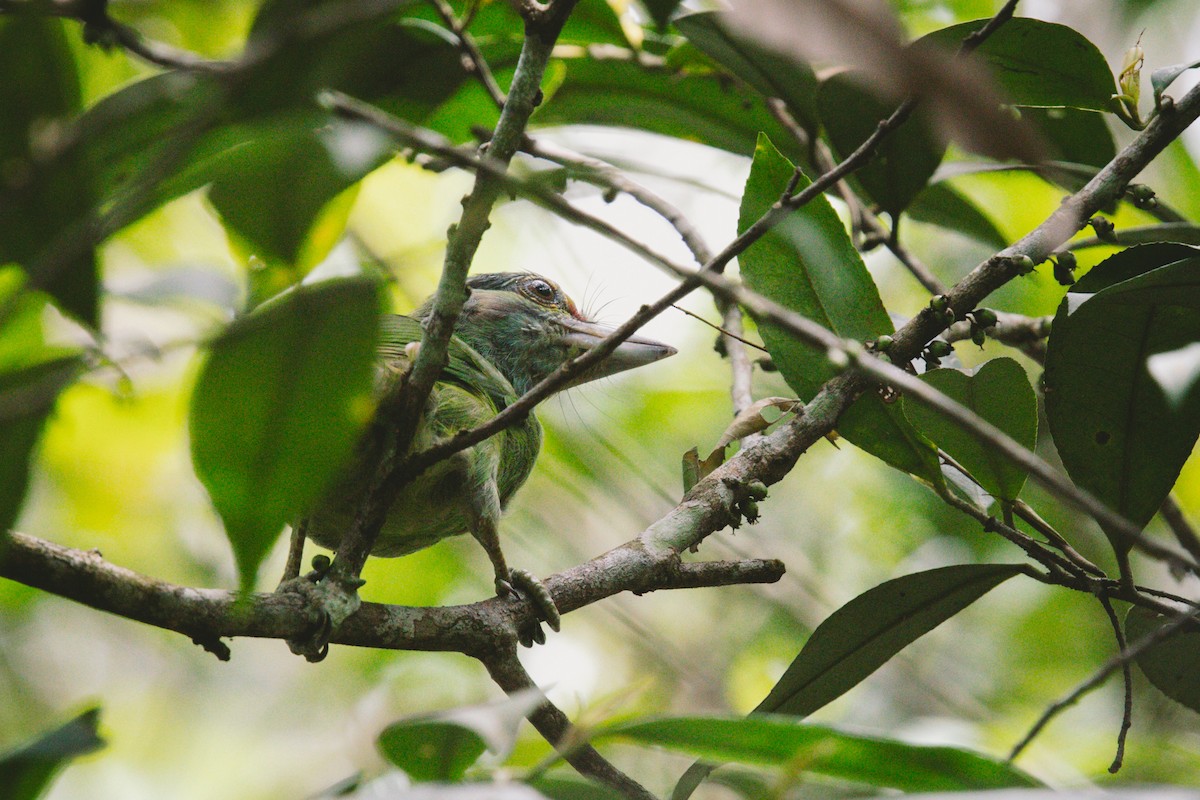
{"x":1038,"y":63}
{"x":941,"y":205}
{"x":660,"y":10}
{"x":998,"y":391}
{"x":768,"y":71}
{"x":768,"y":739}
{"x":867,"y":632}
{"x":277,"y":408}
{"x":701,"y":108}
{"x":271,"y":189}
{"x":903,"y":162}
{"x":567,"y":787}
{"x":808,"y":264}
{"x":1172,"y":664}
{"x":32,"y":374}
{"x":1115,"y":430}
{"x":1160,"y":79}
{"x":1074,"y":135}
{"x":25,"y":774}
{"x":43,"y":199}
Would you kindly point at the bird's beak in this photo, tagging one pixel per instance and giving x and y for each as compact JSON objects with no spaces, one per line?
{"x":633,"y":352}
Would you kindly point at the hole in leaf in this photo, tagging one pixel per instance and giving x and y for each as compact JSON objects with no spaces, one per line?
{"x":1103,"y":437}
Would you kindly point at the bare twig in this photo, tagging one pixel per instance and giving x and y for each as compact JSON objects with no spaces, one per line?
{"x":1185,"y":534}
{"x":601,"y":173}
{"x":1120,"y":661}
{"x":505,"y":669}
{"x":472,"y":57}
{"x":1127,"y":676}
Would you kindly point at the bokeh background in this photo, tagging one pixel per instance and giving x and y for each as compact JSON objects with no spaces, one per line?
{"x":113,"y":473}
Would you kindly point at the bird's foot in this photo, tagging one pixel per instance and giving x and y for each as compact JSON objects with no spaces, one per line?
{"x":329,"y":600}
{"x":522,"y":585}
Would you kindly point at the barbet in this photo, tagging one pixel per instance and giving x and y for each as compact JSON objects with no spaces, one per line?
{"x":514,"y":330}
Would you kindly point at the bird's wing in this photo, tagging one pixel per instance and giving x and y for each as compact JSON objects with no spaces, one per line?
{"x":464,"y":367}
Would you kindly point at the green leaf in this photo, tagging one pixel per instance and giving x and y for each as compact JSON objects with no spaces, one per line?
{"x":1161,"y":78}
{"x":28,"y":772}
{"x":660,"y":10}
{"x":1171,"y":664}
{"x":1118,"y":435}
{"x":903,"y":162}
{"x":822,"y":750}
{"x":768,"y":71}
{"x":441,"y":747}
{"x":1074,"y":135}
{"x":941,"y":205}
{"x":700,"y":108}
{"x":278,"y":406}
{"x":32,"y":375}
{"x":271,"y":189}
{"x":1038,"y":63}
{"x":44,"y":200}
{"x":808,"y":264}
{"x":867,"y":632}
{"x":998,"y":391}
{"x":432,"y":750}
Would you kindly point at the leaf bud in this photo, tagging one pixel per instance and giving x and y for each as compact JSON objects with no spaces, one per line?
{"x":939,"y":348}
{"x":1104,"y":230}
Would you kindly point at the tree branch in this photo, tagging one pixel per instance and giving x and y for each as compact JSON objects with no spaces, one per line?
{"x":505,"y":669}
{"x":208,"y":615}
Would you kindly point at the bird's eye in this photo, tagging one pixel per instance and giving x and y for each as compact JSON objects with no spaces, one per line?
{"x":541,"y":290}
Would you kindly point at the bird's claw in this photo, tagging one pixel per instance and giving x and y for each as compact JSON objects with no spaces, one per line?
{"x":523,"y":585}
{"x":329,"y":602}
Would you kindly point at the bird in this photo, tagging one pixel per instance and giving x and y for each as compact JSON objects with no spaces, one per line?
{"x":515,"y":328}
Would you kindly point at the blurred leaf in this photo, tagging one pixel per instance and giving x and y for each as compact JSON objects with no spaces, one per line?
{"x":271,"y":189}
{"x":1163,"y":232}
{"x":867,"y":632}
{"x":1117,"y":435}
{"x":866,"y":35}
{"x":1037,"y":63}
{"x":1000,"y":393}
{"x":939,"y":204}
{"x":660,"y":10}
{"x":431,"y":750}
{"x":26,"y":773}
{"x":766,"y":70}
{"x":278,"y":406}
{"x":27,"y":396}
{"x":808,"y":264}
{"x":903,"y":163}
{"x":1074,"y":135}
{"x":564,"y":786}
{"x":443,"y":746}
{"x":700,"y":108}
{"x":32,"y":374}
{"x":822,"y":750}
{"x":42,"y":201}
{"x":1161,"y":78}
{"x":1172,"y":664}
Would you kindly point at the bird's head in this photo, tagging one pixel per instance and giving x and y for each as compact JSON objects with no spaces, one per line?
{"x":526,"y":326}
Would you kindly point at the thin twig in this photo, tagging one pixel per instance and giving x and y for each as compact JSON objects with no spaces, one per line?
{"x":601,"y":173}
{"x":1184,"y":533}
{"x":1127,"y":676}
{"x":724,"y":331}
{"x":506,"y":670}
{"x":472,"y":56}
{"x":1119,"y":661}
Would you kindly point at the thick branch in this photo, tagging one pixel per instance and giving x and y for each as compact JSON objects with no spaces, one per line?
{"x":210,"y":614}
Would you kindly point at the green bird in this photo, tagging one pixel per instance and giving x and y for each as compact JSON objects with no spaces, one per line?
{"x":514,"y":330}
